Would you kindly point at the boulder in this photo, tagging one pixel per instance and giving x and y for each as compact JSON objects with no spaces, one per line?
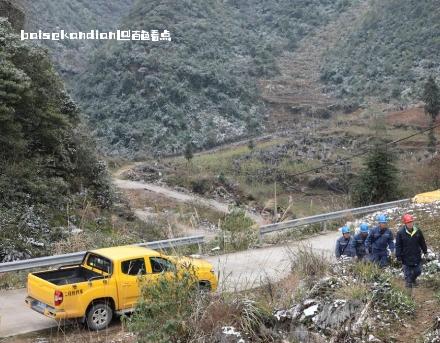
{"x":336,"y":314}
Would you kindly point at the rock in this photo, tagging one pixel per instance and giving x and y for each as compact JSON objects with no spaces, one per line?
{"x":309,"y":302}
{"x":310,"y":311}
{"x":290,"y":314}
{"x":230,"y":335}
{"x":430,"y":256}
{"x":334,"y":315}
{"x":371,"y":338}
{"x":302,"y":334}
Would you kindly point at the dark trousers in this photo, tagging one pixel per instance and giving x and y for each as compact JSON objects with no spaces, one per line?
{"x":411,"y":273}
{"x":380,"y":258}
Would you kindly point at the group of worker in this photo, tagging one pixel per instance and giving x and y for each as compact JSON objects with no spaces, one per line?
{"x":373,"y":245}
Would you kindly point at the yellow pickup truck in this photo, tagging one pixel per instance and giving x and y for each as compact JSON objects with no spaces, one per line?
{"x":107,"y":282}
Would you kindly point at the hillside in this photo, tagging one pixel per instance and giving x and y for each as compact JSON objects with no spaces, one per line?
{"x":388,"y":55}
{"x":48,"y":164}
{"x":70,"y":57}
{"x":201,"y":86}
{"x":235,"y":68}
{"x":55,"y":190}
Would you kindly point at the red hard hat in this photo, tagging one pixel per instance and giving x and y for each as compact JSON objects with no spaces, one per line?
{"x":407,"y":218}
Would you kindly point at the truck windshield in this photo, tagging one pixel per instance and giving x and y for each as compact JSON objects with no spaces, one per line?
{"x":98,"y":262}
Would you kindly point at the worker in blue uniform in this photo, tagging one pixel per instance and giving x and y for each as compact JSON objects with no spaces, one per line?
{"x":379,"y":240}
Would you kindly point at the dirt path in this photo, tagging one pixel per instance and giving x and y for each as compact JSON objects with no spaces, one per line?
{"x":179,"y":196}
{"x":426,"y":309}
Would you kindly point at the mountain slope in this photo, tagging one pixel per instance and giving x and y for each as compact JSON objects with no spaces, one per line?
{"x":389,"y":54}
{"x":70,"y":57}
{"x":46,"y":156}
{"x":201,"y":86}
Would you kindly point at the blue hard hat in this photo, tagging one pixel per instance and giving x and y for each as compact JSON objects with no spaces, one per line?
{"x":345,"y":229}
{"x":382,"y":218}
{"x":364,"y":227}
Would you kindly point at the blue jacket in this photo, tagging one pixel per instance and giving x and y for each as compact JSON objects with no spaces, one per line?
{"x":344,"y":247}
{"x":378,"y":241}
{"x":358,"y":245}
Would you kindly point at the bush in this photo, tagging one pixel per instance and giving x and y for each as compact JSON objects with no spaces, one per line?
{"x":307,"y":263}
{"x":353,"y":292}
{"x":164,"y":308}
{"x":240,"y":228}
{"x":387,"y":55}
{"x":366,"y":271}
{"x":171,"y":310}
{"x":201,"y":186}
{"x":394,"y":298}
{"x":46,"y":156}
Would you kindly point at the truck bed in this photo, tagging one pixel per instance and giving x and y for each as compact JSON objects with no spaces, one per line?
{"x":68,"y":276}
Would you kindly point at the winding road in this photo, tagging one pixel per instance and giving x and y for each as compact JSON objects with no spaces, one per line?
{"x":237,"y":271}
{"x":178,"y":196}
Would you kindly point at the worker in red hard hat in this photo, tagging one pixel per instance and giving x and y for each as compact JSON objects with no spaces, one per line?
{"x":410,"y":244}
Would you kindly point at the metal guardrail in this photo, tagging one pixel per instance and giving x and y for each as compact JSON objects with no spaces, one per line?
{"x":329,"y":216}
{"x":169,"y":243}
{"x":77,"y":257}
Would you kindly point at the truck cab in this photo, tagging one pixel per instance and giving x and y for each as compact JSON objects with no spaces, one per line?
{"x":107,"y":282}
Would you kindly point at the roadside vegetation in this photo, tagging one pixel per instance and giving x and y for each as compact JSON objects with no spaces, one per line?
{"x":49,"y":169}
{"x":318,"y":301}
{"x":56,"y":192}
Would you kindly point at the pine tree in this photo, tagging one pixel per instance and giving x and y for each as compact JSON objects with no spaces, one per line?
{"x":189,"y":151}
{"x":432,"y":142}
{"x":378,"y":181}
{"x":11,"y":136}
{"x":431,"y":97}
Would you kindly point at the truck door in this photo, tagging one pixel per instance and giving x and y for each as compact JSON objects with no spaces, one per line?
{"x":129,"y":282}
{"x":159,"y":266}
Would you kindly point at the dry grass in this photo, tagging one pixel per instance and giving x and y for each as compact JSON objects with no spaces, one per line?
{"x":353,"y":292}
{"x":280,"y":294}
{"x":307,"y":263}
{"x":13,"y":280}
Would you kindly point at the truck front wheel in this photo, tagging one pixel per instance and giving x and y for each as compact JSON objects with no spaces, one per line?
{"x":99,"y":316}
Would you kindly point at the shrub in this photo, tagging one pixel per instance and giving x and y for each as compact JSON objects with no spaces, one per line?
{"x":396,"y":299}
{"x":201,"y":186}
{"x":307,"y":263}
{"x":164,"y":308}
{"x":240,"y":228}
{"x":366,"y":271}
{"x":353,"y":292}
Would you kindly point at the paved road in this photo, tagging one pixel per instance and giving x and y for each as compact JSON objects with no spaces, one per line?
{"x":240,"y":270}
